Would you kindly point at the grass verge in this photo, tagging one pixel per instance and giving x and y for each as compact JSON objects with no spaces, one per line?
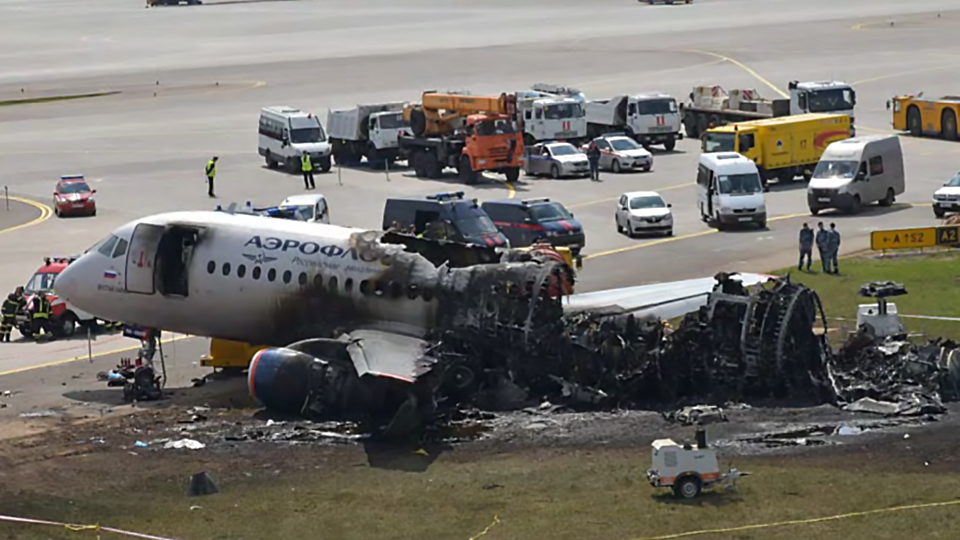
{"x":931,"y":280}
{"x":49,"y":99}
{"x":571,"y":495}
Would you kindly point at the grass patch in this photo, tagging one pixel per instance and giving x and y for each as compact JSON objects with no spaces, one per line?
{"x":932,"y":281}
{"x":49,"y":99}
{"x":564,"y":496}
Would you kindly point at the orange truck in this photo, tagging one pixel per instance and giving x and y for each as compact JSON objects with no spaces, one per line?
{"x":468,"y":133}
{"x":935,"y":117}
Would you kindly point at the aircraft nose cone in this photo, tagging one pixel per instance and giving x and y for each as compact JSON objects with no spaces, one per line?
{"x":67,"y":284}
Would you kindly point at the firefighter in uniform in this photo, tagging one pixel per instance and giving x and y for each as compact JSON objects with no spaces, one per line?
{"x":11,"y":305}
{"x":41,"y":316}
{"x":211,"y":174}
{"x":306,"y":166}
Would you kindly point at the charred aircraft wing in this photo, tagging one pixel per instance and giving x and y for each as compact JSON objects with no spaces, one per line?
{"x":387,"y":354}
{"x":656,"y":300}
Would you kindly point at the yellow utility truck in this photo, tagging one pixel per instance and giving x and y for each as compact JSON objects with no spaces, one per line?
{"x":232,"y":357}
{"x":783,"y":147}
{"x":935,"y":117}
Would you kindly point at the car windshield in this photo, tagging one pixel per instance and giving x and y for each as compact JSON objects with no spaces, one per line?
{"x":549,"y":212}
{"x":475,"y":226}
{"x":73,"y":187}
{"x":718,"y":142}
{"x":392,"y":121}
{"x":40,"y":282}
{"x":740,"y":184}
{"x":303,"y":212}
{"x":835,"y":169}
{"x":647,"y":201}
{"x":560,"y":111}
{"x":306,"y":135}
{"x":955,"y":181}
{"x":657,"y":106}
{"x":495,"y":127}
{"x":837,"y":99}
{"x":563,"y":150}
{"x":624,"y":144}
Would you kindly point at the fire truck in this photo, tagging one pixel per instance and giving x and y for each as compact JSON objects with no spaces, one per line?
{"x":64,"y":318}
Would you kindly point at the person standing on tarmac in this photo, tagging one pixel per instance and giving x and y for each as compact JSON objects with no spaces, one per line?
{"x":593,"y":156}
{"x":834,"y":244}
{"x":211,"y":174}
{"x":41,"y":317}
{"x":11,"y":305}
{"x":823,"y":246}
{"x":307,"y":167}
{"x":806,"y":246}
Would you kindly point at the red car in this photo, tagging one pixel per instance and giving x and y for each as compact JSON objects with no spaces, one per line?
{"x":74,"y":197}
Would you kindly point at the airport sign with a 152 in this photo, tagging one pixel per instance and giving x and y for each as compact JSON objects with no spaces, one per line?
{"x":915,"y":238}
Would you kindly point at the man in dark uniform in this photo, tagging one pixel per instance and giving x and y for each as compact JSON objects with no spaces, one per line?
{"x":11,"y":305}
{"x":41,"y":316}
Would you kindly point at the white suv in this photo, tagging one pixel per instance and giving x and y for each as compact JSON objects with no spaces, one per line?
{"x":947,"y":198}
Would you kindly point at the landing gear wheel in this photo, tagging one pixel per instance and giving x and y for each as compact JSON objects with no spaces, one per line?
{"x":889,"y":199}
{"x":616,"y":167}
{"x":687,"y":488}
{"x":554,"y":172}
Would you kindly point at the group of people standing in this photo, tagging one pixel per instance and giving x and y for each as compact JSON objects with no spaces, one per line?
{"x":828,"y":244}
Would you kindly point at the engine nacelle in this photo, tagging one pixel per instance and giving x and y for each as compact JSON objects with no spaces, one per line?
{"x":279,"y":378}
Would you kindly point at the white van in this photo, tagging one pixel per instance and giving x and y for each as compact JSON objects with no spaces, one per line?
{"x":857,"y":171}
{"x":285,"y":133}
{"x":729,"y":190}
{"x":309,"y":207}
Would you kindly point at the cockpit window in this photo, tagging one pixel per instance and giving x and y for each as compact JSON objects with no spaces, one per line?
{"x":121,"y":249}
{"x":106,"y":248}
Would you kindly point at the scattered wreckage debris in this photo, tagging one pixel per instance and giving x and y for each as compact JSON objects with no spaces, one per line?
{"x":820,"y":434}
{"x":697,"y":415}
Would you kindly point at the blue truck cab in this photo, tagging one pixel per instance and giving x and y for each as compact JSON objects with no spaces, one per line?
{"x":443,"y":216}
{"x":526,"y":221}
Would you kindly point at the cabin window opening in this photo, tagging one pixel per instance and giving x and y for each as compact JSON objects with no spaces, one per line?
{"x":241,"y":271}
{"x":365,"y":287}
{"x":378,"y":288}
{"x":348,"y":284}
{"x":427,"y":294}
{"x":211,"y":267}
{"x":272,"y":275}
{"x":174,"y":253}
{"x":226,"y":269}
{"x":287,"y":276}
{"x":413,"y":292}
{"x":302,"y":279}
{"x":256,"y":272}
{"x":318,"y":280}
{"x":333,"y":284}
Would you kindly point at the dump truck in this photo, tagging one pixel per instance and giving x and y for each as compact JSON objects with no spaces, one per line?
{"x":936,"y":117}
{"x":650,"y":118}
{"x":783,"y":148}
{"x":551,"y":112}
{"x":468,"y":133}
{"x":712,"y":106}
{"x":366,"y":131}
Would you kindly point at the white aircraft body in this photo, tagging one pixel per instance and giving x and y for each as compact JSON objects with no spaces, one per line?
{"x":281,"y":282}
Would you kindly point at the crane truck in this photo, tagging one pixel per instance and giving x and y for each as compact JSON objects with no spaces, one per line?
{"x":366,"y":131}
{"x":650,"y":118}
{"x":469,"y":133}
{"x":712,"y":106}
{"x":549,"y":112}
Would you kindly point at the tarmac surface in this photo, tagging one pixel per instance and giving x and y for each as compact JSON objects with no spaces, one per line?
{"x":16,"y":214}
{"x":191,"y":80}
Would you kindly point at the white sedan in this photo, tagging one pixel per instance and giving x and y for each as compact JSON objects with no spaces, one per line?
{"x":619,"y":153}
{"x":643,"y":212}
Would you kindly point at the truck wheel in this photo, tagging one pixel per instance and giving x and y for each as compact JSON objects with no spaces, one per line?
{"x":814,"y":211}
{"x":702,"y":125}
{"x":690,"y":126}
{"x":467,"y":174}
{"x":271,"y":163}
{"x":914,"y":124}
{"x":888,"y":200}
{"x":512,"y":174}
{"x":939,"y":212}
{"x":670,"y":145}
{"x":554,"y":172}
{"x":325,"y":164}
{"x":855,"y":205}
{"x":687,"y":487}
{"x":948,"y":125}
{"x":433,"y":166}
{"x":415,"y":161}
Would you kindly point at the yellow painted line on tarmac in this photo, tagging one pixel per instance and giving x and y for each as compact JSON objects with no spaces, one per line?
{"x":45,"y":213}
{"x":85,"y":357}
{"x":905,"y":73}
{"x":511,"y":190}
{"x":611,"y":199}
{"x":742,"y":66}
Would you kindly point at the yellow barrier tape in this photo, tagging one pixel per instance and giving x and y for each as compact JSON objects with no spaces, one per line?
{"x":496,"y":519}
{"x":798,"y":521}
{"x":80,"y":528}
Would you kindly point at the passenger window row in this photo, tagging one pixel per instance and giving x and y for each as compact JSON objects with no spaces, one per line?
{"x":367,"y":287}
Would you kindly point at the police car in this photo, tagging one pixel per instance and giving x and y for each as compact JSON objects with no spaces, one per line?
{"x":529,"y":221}
{"x":558,"y":159}
{"x":619,"y":153}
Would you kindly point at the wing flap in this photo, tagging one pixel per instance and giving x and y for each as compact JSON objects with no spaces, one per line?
{"x":386,"y":354}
